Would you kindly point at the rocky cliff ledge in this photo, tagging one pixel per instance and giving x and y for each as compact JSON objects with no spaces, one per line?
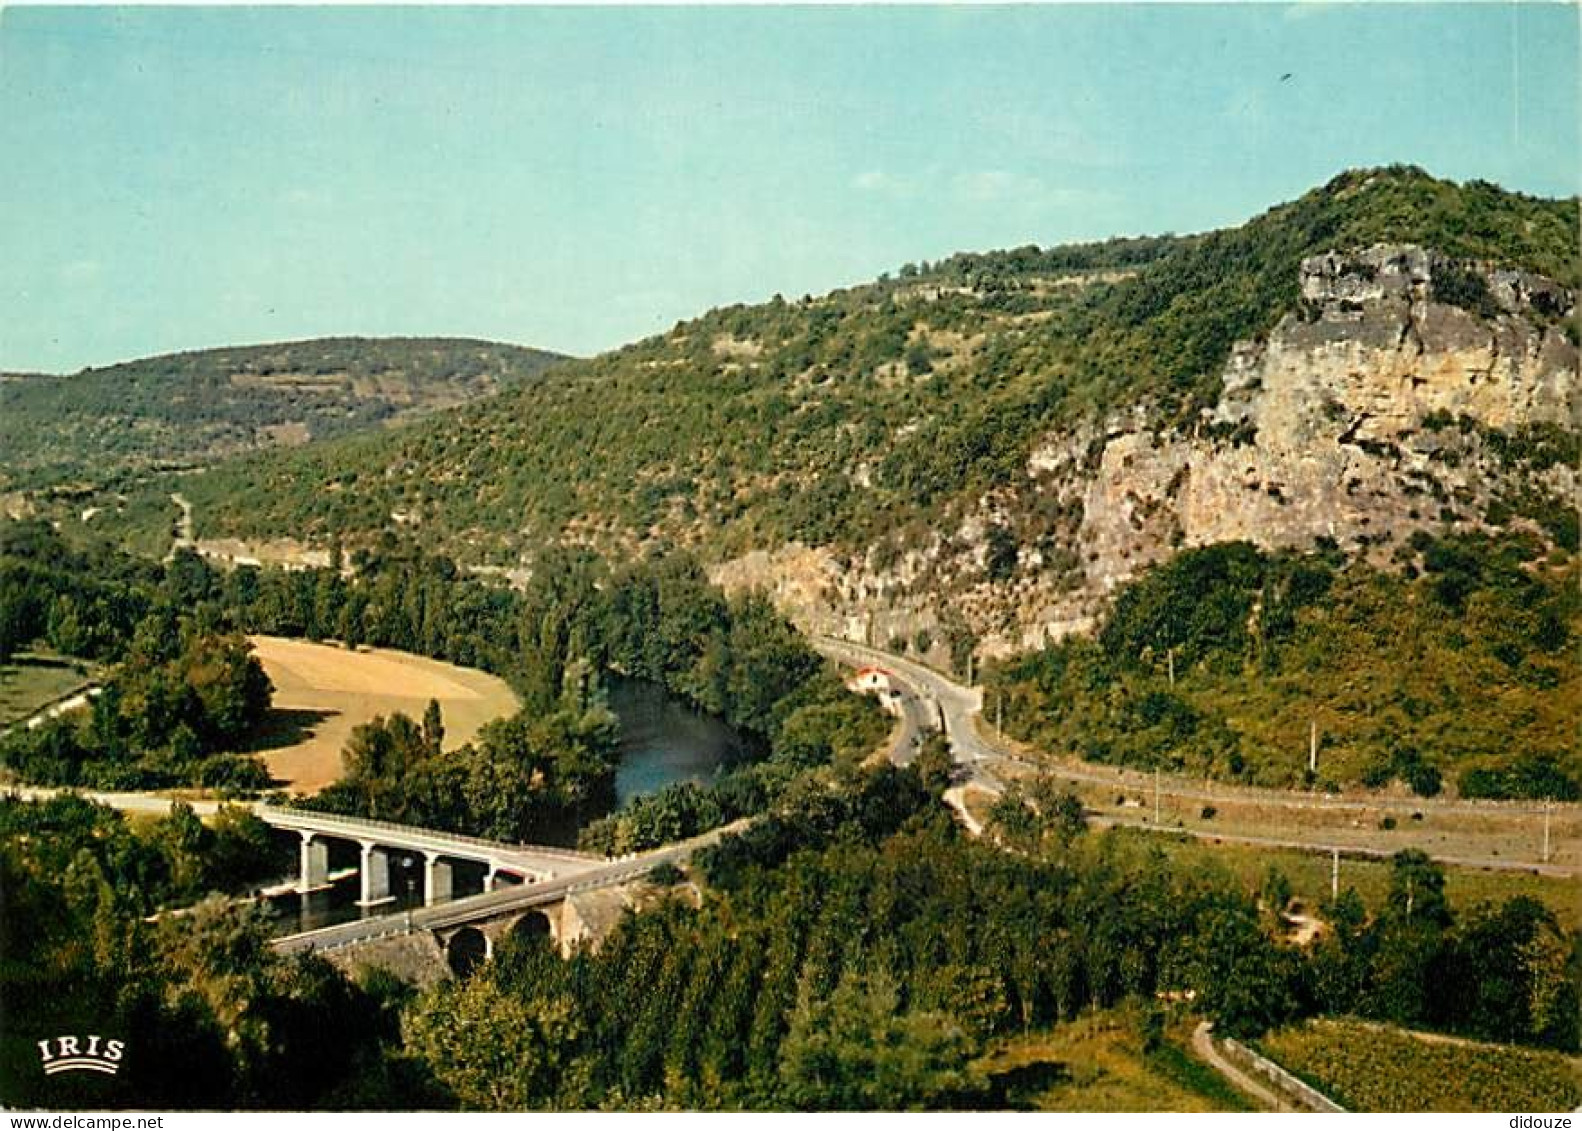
{"x":1404,"y":392}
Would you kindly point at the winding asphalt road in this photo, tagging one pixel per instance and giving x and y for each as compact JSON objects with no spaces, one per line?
{"x":932,"y":701}
{"x":956,"y":709}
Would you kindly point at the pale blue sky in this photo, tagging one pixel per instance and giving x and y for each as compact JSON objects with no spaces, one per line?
{"x":578,"y":178}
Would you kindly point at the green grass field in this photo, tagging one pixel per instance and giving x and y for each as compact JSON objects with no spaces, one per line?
{"x":141,"y":519}
{"x":1309,"y":873}
{"x":1099,"y":1062}
{"x":1368,"y":1067}
{"x":34,"y":679}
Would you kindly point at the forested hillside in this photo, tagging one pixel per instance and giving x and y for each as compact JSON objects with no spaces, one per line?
{"x":1459,"y":672}
{"x":190,"y":408}
{"x":979,"y":457}
{"x":875,"y":416}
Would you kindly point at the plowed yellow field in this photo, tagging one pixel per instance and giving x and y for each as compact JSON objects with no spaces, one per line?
{"x":322,"y":691}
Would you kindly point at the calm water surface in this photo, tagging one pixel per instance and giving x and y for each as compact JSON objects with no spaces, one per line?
{"x":663,"y":741}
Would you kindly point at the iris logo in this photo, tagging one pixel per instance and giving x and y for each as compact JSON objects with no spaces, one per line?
{"x":81,"y":1054}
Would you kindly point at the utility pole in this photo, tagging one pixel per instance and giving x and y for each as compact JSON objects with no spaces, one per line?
{"x":1312,"y":747}
{"x":999,"y":711}
{"x":1546,"y":831}
{"x":1170,"y":663}
{"x":1334,"y":875}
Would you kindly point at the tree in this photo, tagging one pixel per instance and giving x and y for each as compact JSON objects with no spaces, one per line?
{"x":1510,"y":966}
{"x":1013,"y":819}
{"x":493,"y":1050}
{"x":230,"y":687}
{"x":1242,"y":979}
{"x":860,"y":1051}
{"x":433,"y":728}
{"x":1060,"y":811}
{"x":184,"y":841}
{"x":1000,"y":553}
{"x":1338,"y":962}
{"x":935,"y":767}
{"x":1417,"y":888}
{"x":21,"y":616}
{"x":1275,"y":892}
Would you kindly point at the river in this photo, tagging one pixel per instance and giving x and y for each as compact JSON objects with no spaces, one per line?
{"x":663,"y":741}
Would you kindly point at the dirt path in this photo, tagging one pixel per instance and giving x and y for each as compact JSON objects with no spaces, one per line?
{"x":956,"y":798}
{"x":1203,"y":1045}
{"x":183,"y":538}
{"x":1435,"y":1038}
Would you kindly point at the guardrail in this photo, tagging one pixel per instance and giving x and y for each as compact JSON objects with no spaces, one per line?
{"x":288,"y":814}
{"x":1293,"y":1087}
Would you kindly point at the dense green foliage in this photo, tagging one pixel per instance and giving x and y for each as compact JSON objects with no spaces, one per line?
{"x":531,"y":777}
{"x":190,"y":408}
{"x":1218,"y":661}
{"x":853,"y":950}
{"x":170,"y":862}
{"x":870,"y":413}
{"x":1366,"y":1068}
{"x":185,"y":692}
{"x":1514,"y":969}
{"x":209,"y":1016}
{"x":161,"y":720}
{"x":80,"y":602}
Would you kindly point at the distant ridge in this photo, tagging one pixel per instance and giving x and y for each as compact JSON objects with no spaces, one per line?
{"x":920,"y":412}
{"x":190,"y":408}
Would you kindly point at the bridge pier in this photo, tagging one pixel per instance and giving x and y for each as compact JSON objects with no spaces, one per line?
{"x":375,"y":875}
{"x":314,"y":865}
{"x":437,"y":879}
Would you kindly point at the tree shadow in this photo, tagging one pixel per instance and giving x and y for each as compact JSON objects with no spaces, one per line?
{"x":1018,"y":1088}
{"x":284,"y":727}
{"x":33,"y":660}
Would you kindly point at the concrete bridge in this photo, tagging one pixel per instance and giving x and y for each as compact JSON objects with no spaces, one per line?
{"x":516,"y":863}
{"x":552,"y":901}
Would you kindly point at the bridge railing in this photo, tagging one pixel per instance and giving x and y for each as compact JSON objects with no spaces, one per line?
{"x":464,"y":910}
{"x":368,"y":824}
{"x":470,"y":907}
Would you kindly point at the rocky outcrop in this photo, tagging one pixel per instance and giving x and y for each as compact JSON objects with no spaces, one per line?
{"x":1404,"y":393}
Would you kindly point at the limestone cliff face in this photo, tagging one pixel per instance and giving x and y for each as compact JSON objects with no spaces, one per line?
{"x":1373,"y":410}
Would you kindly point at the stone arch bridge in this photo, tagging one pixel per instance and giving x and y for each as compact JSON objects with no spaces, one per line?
{"x":529,"y":890}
